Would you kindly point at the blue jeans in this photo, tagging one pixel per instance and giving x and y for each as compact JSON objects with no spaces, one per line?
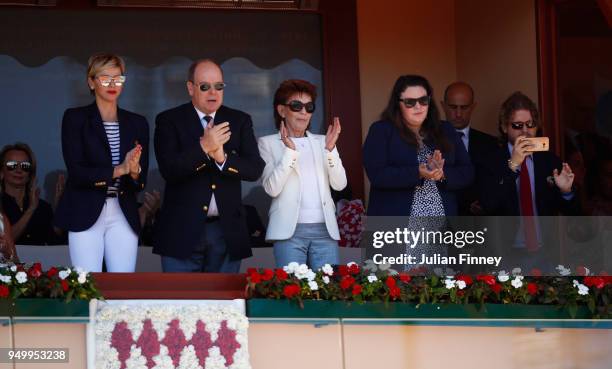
{"x":209,"y":256}
{"x":310,"y":244}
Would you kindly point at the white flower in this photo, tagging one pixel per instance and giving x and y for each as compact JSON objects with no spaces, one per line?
{"x":370,"y":266}
{"x":5,"y":278}
{"x":313,"y":285}
{"x":13,"y":268}
{"x":372,"y":278}
{"x":517,"y":282}
{"x":461,"y":284}
{"x":327,"y":269}
{"x":21,"y":277}
{"x":291,"y":267}
{"x":503,"y":276}
{"x":516,"y":271}
{"x":303,"y":272}
{"x":450,"y":283}
{"x":583,"y":290}
{"x":575,"y":283}
{"x":63,"y":274}
{"x":82,"y":277}
{"x":563,"y":270}
{"x":325,"y":279}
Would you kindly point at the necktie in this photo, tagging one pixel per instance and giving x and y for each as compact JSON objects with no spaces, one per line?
{"x":531,"y":237}
{"x":207,"y":118}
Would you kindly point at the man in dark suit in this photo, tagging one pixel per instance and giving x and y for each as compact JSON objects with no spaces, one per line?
{"x":528,"y":185}
{"x":204,"y":150}
{"x":458,"y":105}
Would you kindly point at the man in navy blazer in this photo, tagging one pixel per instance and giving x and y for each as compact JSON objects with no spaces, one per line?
{"x":204,"y":151}
{"x":458,"y":105}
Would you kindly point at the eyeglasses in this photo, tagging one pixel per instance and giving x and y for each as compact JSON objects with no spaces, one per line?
{"x":297,"y":106}
{"x":12,"y":165}
{"x":219,"y":86}
{"x":106,"y":81}
{"x":411,"y":102}
{"x":519,"y":125}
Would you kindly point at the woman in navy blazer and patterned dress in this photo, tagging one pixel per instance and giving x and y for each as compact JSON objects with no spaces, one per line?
{"x":414,"y":162}
{"x":105,"y":149}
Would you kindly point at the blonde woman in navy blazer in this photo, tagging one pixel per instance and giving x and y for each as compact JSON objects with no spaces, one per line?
{"x":300,"y":167}
{"x":105,"y":149}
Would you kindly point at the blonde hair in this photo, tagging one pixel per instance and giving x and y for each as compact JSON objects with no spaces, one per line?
{"x":101,"y":61}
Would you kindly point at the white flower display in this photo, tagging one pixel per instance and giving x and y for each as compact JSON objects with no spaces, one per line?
{"x":291,"y":267}
{"x":82,"y":277}
{"x":372,"y":278}
{"x":461,"y":284}
{"x":370,"y":266}
{"x":5,"y":278}
{"x":325,"y":279}
{"x":161,"y":316}
{"x":582,"y":289}
{"x":517,"y":282}
{"x":303,"y":272}
{"x":313,"y":285}
{"x":63,"y":274}
{"x":328,"y":269}
{"x":21,"y":277}
{"x":450,"y":283}
{"x":563,"y":270}
{"x":503,"y":276}
{"x":13,"y":268}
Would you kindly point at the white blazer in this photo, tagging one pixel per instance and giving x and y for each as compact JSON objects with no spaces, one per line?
{"x":281,"y":180}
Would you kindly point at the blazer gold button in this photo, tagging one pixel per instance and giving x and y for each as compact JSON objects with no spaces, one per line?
{"x":213,"y":186}
{"x":205,"y":208}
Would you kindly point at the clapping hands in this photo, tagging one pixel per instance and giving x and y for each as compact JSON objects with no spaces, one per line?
{"x":434,"y":169}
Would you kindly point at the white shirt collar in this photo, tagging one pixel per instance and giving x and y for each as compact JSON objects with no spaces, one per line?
{"x":466,"y":131}
{"x":202,"y":115}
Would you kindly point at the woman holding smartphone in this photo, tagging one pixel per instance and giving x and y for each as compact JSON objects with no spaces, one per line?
{"x":105,"y":149}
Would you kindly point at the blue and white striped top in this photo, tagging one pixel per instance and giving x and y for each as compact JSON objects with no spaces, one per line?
{"x":112,"y":133}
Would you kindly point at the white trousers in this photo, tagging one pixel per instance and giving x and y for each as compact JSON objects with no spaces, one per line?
{"x":111,"y":238}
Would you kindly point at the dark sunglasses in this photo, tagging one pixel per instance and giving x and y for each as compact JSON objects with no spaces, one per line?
{"x":519,"y":125}
{"x":12,"y":165}
{"x":411,"y":102}
{"x":207,"y":86}
{"x":296,"y":106}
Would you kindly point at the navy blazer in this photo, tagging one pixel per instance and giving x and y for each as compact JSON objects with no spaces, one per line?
{"x":392,"y":167}
{"x":191,"y":178}
{"x":88,"y":160}
{"x":499,"y":195}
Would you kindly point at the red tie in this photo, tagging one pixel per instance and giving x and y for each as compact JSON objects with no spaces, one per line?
{"x":531,"y":237}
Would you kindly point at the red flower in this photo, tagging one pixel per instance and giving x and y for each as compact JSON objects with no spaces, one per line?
{"x":404,"y":277}
{"x":281,"y":275}
{"x":65,"y":285}
{"x":536,"y":272}
{"x":532,"y":288}
{"x":390,"y":282}
{"x":267,"y":274}
{"x":346,"y":282}
{"x":4,"y":291}
{"x":496,"y":287}
{"x":597,"y":282}
{"x":395,"y":292}
{"x":52,"y":272}
{"x":354,"y":269}
{"x":357,"y":289}
{"x":255,"y":277}
{"x":343,"y":270}
{"x":460,"y":293}
{"x":291,"y":290}
{"x":34,"y":272}
{"x":251,"y":270}
{"x":488,"y":279}
{"x":466,"y":278}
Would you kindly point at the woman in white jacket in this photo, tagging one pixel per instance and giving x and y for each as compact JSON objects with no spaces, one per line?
{"x":300,"y":167}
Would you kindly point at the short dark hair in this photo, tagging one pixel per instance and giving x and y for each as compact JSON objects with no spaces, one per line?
{"x":19,"y":146}
{"x":194,"y":65}
{"x":431,"y":127}
{"x":289,"y":88}
{"x":516,"y":101}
